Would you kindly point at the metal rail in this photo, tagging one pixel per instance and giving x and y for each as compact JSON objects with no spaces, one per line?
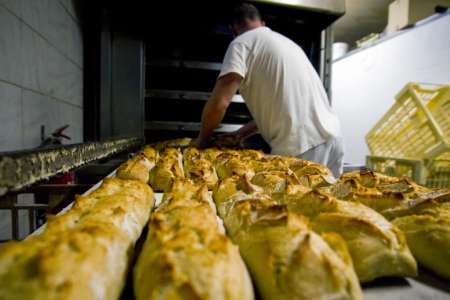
{"x":22,"y":168}
{"x":186,"y":95}
{"x":187,"y":64}
{"x":187,"y":126}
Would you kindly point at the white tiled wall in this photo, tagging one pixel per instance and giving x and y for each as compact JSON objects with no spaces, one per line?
{"x":41,"y":71}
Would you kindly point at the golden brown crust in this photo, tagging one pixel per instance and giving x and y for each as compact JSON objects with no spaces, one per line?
{"x":358,"y":224}
{"x":378,"y":249}
{"x":287,"y":260}
{"x":136,"y":168}
{"x":390,"y":196}
{"x":168,"y":168}
{"x":429,"y":239}
{"x":228,"y":165}
{"x":185,"y":255}
{"x":421,"y":213}
{"x":198,"y":167}
{"x":150,"y":153}
{"x":83,"y":254}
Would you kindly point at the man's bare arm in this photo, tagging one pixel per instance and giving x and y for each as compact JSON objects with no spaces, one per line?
{"x":214,"y":110}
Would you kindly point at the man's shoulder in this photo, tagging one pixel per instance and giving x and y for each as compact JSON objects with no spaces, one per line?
{"x":252,"y":34}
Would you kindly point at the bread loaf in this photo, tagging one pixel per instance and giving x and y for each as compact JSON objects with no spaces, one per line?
{"x":380,"y":192}
{"x":185,"y":255}
{"x":198,"y":168}
{"x":426,"y":224}
{"x":151,"y":154}
{"x":83,"y":254}
{"x":228,"y":164}
{"x":428,"y":237}
{"x":136,"y":168}
{"x":377,"y":247}
{"x":168,"y":168}
{"x":286,"y":259}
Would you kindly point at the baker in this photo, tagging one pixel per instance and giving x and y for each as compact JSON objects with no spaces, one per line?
{"x":282,"y":91}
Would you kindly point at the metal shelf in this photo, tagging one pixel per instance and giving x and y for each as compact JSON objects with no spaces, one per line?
{"x":185,"y":95}
{"x":188,"y":64}
{"x":187,"y":126}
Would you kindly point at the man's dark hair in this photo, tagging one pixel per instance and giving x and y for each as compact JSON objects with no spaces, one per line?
{"x":244,"y":12}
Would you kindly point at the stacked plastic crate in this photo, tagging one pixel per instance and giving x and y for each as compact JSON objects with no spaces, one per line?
{"x":413,"y":138}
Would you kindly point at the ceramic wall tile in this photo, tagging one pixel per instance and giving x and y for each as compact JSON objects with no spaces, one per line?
{"x":75,"y":43}
{"x":39,"y":110}
{"x":10,"y":47}
{"x":15,"y":6}
{"x":72,"y":116}
{"x":10,"y":117}
{"x":50,"y":19}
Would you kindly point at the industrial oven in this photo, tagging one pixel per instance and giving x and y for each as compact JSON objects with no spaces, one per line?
{"x":151,"y":68}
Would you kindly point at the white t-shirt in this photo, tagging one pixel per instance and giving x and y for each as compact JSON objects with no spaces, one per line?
{"x":282,"y":91}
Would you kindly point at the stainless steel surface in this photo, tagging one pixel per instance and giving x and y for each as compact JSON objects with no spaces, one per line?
{"x":336,"y":7}
{"x":186,"y":95}
{"x":189,"y":64}
{"x":326,"y":53}
{"x":187,"y":126}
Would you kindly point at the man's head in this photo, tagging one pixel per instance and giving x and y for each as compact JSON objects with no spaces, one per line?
{"x":245,"y":17}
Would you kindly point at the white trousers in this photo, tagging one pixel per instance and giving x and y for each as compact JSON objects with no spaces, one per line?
{"x":330,"y":154}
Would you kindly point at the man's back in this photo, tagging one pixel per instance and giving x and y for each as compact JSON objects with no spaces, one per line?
{"x":282,"y":90}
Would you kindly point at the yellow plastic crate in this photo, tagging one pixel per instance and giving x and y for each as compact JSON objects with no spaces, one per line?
{"x":430,"y":173}
{"x":417,"y":126}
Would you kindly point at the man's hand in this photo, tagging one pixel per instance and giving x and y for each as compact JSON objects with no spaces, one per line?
{"x":228,"y":140}
{"x":200,"y":143}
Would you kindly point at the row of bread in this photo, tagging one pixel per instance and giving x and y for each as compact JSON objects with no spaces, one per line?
{"x":82,"y":254}
{"x":213,"y":164}
{"x":286,"y":258}
{"x":87,"y":252}
{"x":375,"y":205}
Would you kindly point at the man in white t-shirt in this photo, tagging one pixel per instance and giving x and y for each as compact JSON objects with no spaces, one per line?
{"x":283,"y":93}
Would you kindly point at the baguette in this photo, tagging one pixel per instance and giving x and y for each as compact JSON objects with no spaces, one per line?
{"x":428,"y":237}
{"x":426,"y":225}
{"x":83,"y":254}
{"x":151,"y":154}
{"x":198,"y":168}
{"x":168,"y":168}
{"x":185,"y":255}
{"x":136,"y":168}
{"x":377,"y":247}
{"x":380,"y":192}
{"x":286,"y":259}
{"x":228,"y":164}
